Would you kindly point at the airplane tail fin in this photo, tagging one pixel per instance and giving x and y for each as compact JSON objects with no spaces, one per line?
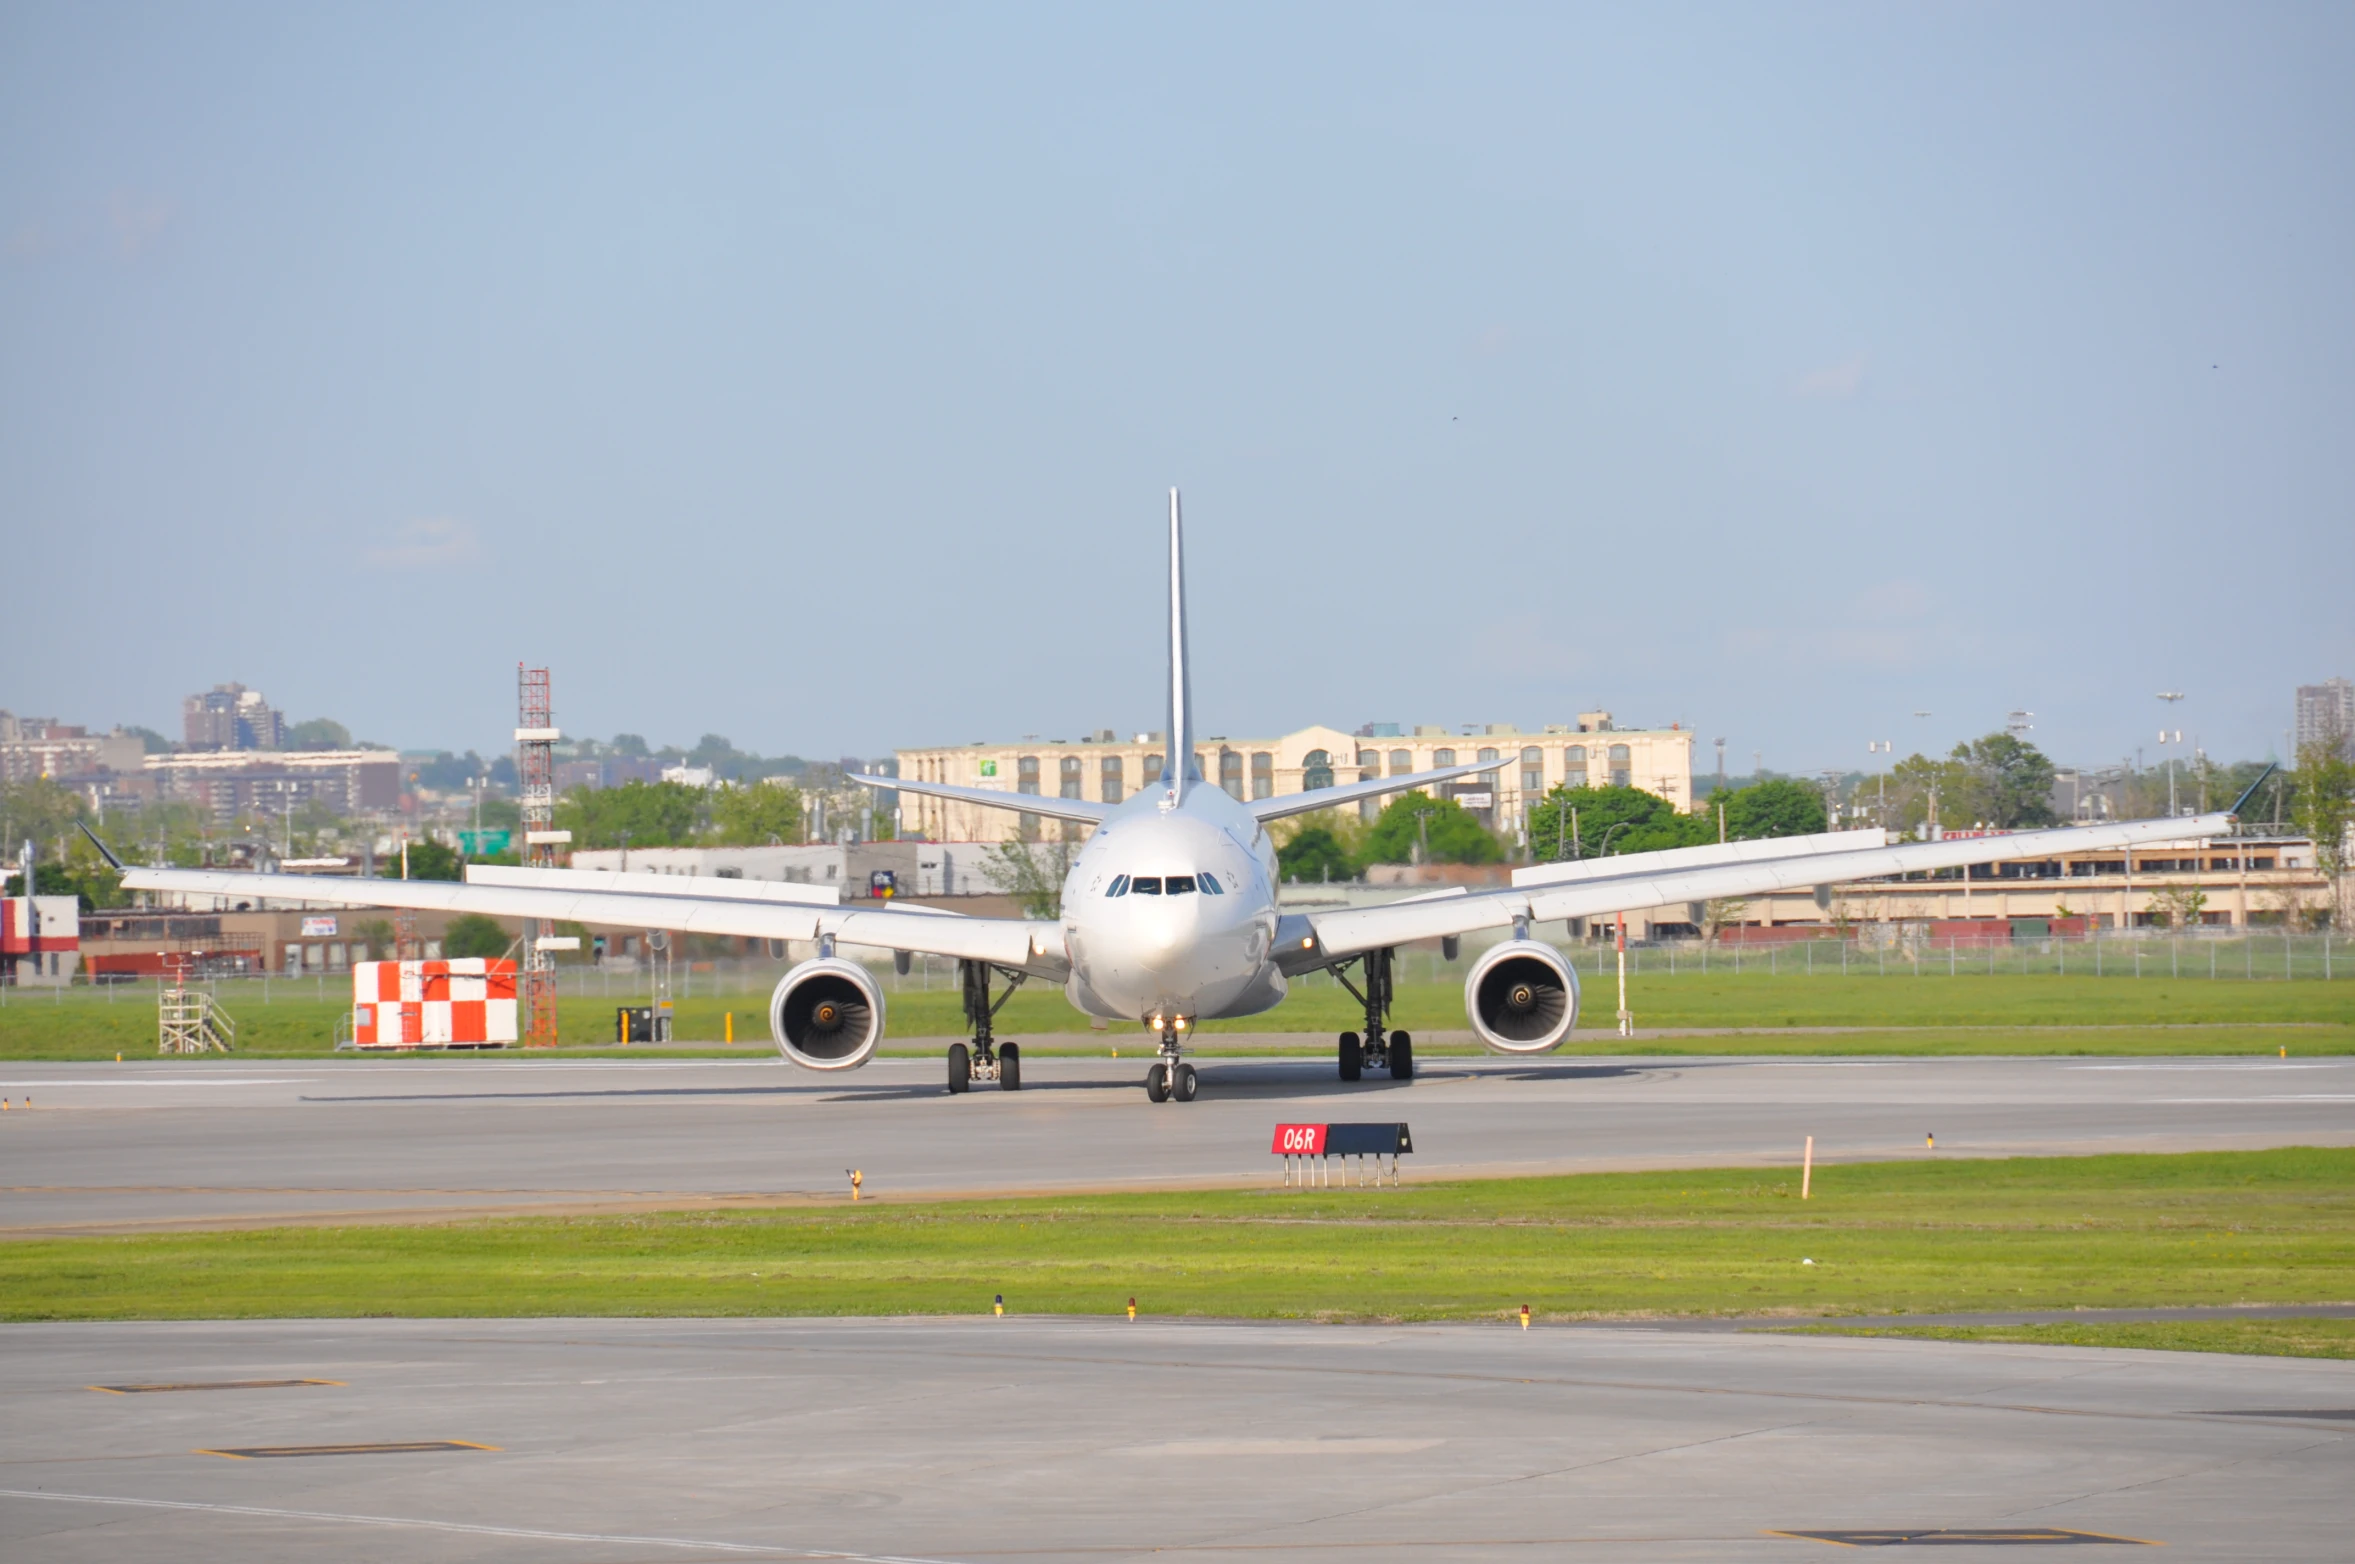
{"x":1178,"y":768}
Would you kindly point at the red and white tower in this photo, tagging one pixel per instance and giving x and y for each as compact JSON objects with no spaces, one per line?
{"x":535,"y":775}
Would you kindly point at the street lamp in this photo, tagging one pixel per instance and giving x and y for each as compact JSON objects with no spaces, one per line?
{"x":2172,"y":738}
{"x":1881,"y":747}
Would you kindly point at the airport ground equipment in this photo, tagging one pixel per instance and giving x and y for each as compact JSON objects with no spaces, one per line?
{"x":190,"y":1021}
{"x":640,"y":1024}
{"x":1301,"y":1145}
{"x":464,"y":1002}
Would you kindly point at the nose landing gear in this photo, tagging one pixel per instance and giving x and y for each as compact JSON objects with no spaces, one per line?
{"x":986,"y":1060}
{"x":1394,"y":1052}
{"x":1170,"y":1076}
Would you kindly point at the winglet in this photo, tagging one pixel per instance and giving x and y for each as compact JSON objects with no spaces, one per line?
{"x":112,"y":862}
{"x":2235,"y":810}
{"x":1177,"y":766}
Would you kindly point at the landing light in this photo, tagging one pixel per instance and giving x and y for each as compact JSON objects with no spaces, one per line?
{"x":1181,"y":1023}
{"x":1310,"y":943}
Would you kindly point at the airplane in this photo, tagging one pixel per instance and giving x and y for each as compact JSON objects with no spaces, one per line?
{"x":1171,"y":914}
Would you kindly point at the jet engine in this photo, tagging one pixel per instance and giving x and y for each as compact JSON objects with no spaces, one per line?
{"x":827,"y":1014}
{"x":1522,"y":997}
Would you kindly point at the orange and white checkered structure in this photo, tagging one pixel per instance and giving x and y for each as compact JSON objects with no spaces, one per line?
{"x":464,"y":1003}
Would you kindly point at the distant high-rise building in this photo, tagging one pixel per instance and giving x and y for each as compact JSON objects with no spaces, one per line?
{"x":2326,"y":711}
{"x":230,"y":716}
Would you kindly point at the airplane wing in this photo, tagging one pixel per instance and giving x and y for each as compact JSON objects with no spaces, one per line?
{"x":1079,"y":809}
{"x":1749,"y":850}
{"x":1350,"y":792}
{"x":637,"y":881}
{"x":1345,"y":932}
{"x":1036,"y":948}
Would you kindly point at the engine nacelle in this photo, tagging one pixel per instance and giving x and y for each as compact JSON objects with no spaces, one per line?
{"x":827,"y":1014}
{"x":1522,"y":997}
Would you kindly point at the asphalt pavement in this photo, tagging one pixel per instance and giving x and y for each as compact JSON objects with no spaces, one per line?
{"x":1062,"y":1440}
{"x":170,"y":1143}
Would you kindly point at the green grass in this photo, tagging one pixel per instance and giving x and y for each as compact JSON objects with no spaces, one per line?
{"x":1919,"y":1237}
{"x":1930,"y":1014}
{"x":2324,"y":1337}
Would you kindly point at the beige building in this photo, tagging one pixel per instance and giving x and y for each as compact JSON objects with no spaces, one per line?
{"x":1107,"y":768}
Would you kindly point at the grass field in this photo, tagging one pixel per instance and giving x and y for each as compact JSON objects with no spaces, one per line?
{"x":2027,"y":1013}
{"x":2280,"y":1338}
{"x":2257,"y":1227}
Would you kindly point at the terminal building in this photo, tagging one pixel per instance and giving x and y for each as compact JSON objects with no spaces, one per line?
{"x":1592,"y":752}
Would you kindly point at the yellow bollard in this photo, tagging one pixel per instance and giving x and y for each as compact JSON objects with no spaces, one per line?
{"x":1132,"y":1308}
{"x":118,"y":1058}
{"x":728,"y":1020}
{"x":1524,"y":1316}
{"x":1929,"y":1143}
{"x":855,"y":1181}
{"x":998,"y":1308}
{"x":2285,"y":1052}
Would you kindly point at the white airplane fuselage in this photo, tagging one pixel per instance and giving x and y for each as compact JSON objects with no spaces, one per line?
{"x":1186,"y":954}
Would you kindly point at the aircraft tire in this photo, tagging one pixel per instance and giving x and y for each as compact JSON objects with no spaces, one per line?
{"x":960,"y":1068}
{"x":1402,"y":1057}
{"x":1157,"y":1083}
{"x":1353,"y":1057}
{"x":1010,"y":1067}
{"x":1186,"y":1084}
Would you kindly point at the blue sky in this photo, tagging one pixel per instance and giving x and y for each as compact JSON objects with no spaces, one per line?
{"x":1782,"y":371}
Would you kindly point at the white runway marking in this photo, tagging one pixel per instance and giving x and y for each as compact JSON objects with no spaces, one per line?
{"x":157,"y":1080}
{"x":533,"y":1533}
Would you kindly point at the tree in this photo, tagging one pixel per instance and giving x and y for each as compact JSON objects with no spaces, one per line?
{"x":2326,"y":805}
{"x":654,"y":814}
{"x":1031,"y":873}
{"x":1778,"y":807}
{"x":1574,"y":822}
{"x":2179,"y":904}
{"x":472,"y":934}
{"x":1314,"y":854}
{"x":1917,"y":783}
{"x":319,"y":733}
{"x":757,"y":813}
{"x":2015,"y":779}
{"x":376,"y":934}
{"x":631,"y":745}
{"x":1444,"y":830}
{"x":428,"y":860}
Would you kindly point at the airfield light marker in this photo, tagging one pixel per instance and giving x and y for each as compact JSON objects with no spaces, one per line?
{"x":1524,"y":1316}
{"x":1132,"y":1308}
{"x":1929,"y":1141}
{"x":1806,"y":1167}
{"x":998,"y":1308}
{"x":856,"y":1179}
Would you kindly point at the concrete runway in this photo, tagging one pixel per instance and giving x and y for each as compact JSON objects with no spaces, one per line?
{"x":118,"y":1147}
{"x":1085,"y":1440}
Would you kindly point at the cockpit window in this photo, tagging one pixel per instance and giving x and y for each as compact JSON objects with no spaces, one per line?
{"x":1179,"y":884}
{"x":1119,"y":886}
{"x":1210,"y":885}
{"x":1145,"y":885}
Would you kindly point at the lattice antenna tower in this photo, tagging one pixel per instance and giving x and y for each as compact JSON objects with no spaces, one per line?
{"x":535,"y":775}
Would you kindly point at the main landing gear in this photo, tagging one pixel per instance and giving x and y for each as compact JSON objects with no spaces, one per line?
{"x":1170,"y":1076}
{"x":986,"y":1060}
{"x":1394,"y":1052}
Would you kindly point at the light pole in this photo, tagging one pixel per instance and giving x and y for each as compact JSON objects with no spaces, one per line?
{"x":2169,"y":741}
{"x":1881,"y":812}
